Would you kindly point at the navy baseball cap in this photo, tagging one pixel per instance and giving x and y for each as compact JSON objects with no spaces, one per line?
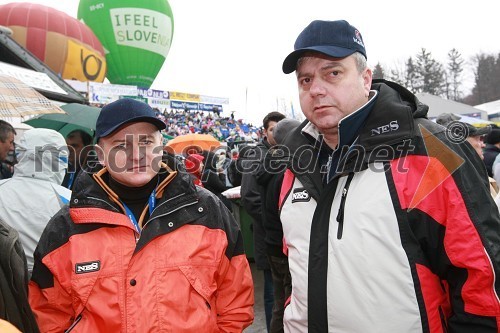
{"x":124,"y":111}
{"x":336,"y":39}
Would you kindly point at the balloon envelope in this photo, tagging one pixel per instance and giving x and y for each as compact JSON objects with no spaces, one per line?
{"x":64,"y":44}
{"x":136,"y":35}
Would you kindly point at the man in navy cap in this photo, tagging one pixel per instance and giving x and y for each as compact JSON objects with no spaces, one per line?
{"x":140,"y":248}
{"x":381,"y":229}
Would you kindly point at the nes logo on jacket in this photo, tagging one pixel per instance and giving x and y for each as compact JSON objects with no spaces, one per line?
{"x":390,"y":127}
{"x":300,"y":195}
{"x":87,"y":267}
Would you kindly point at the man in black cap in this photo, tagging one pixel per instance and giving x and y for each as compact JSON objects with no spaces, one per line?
{"x":381,"y":229}
{"x":492,"y":149}
{"x":140,"y":248}
{"x":474,"y":135}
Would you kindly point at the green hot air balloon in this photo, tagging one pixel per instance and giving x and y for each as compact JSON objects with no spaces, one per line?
{"x":136,"y":36}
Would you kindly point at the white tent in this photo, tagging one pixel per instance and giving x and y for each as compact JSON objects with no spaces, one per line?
{"x":438,"y":105}
{"x":492,"y":108}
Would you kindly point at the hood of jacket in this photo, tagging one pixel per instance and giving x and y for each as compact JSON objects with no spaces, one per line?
{"x":42,"y":154}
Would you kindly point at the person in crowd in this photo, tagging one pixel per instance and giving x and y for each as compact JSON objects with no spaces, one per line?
{"x":270,"y":177}
{"x":214,"y":179}
{"x":79,"y":145}
{"x":496,"y":169}
{"x":7,"y":134}
{"x":388,"y":221}
{"x":474,"y":136}
{"x":14,"y":305}
{"x":492,"y":148}
{"x":194,"y":165}
{"x":234,"y":169}
{"x":139,"y":235}
{"x":34,"y":194}
{"x":252,"y":200}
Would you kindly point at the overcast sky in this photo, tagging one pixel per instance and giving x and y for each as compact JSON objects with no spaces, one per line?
{"x":235,"y":49}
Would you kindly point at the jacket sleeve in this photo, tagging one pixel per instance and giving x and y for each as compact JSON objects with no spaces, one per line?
{"x":49,"y":298}
{"x":49,"y":301}
{"x":457,"y":224}
{"x":213,"y":182}
{"x":251,"y":195}
{"x":235,"y":295}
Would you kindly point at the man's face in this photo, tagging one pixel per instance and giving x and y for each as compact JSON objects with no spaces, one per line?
{"x":75,"y":146}
{"x":269,"y":132}
{"x":132,"y":154}
{"x":330,"y":89}
{"x":6,"y":146}
{"x":477,"y":142}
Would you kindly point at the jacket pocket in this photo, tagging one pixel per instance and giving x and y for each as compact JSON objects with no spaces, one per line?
{"x":197,"y":283}
{"x":201,"y":287}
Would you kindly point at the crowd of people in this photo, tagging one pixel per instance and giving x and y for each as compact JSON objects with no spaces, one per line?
{"x":367,"y":216}
{"x":225,"y":129}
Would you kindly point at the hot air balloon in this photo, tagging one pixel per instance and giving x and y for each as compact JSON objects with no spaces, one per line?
{"x":64,"y":44}
{"x":136,"y":35}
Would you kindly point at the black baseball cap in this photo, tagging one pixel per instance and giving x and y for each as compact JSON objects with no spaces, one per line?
{"x":446,"y":119}
{"x":336,"y":39}
{"x":124,"y":111}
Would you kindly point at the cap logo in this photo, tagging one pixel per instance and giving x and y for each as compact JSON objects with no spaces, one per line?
{"x":358,"y":39}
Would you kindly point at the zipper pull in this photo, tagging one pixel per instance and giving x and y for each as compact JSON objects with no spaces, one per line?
{"x":75,"y":322}
{"x":340,"y":215}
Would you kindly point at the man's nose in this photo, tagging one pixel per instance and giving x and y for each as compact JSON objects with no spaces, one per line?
{"x":137,"y":152}
{"x":317,"y":87}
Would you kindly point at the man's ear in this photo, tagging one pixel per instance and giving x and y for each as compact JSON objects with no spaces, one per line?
{"x":100,"y":154}
{"x":367,"y":79}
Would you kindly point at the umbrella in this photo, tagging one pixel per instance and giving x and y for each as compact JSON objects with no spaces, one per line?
{"x":182,"y":143}
{"x":77,"y":116}
{"x":17,"y":99}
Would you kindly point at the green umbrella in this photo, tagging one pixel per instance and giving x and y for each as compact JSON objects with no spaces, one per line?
{"x":77,"y":116}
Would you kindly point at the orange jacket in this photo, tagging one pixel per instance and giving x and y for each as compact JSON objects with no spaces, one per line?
{"x":186,"y":273}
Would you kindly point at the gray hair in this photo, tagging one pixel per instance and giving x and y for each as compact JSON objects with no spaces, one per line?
{"x":360,"y":59}
{"x":361,"y":63}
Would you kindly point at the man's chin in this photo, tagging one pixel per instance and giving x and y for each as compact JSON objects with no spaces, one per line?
{"x":133,"y":179}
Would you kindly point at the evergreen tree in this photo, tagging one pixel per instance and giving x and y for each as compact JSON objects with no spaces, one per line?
{"x":378,"y":72}
{"x":397,"y":74}
{"x":412,"y":78}
{"x":431,"y":73}
{"x":454,"y":74}
{"x":484,"y":73}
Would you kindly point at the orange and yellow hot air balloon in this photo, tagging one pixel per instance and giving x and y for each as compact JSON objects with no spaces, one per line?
{"x":64,"y":44}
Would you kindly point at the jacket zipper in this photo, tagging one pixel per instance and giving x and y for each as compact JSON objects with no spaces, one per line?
{"x":340,"y":215}
{"x":443,"y":320}
{"x":77,"y":320}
